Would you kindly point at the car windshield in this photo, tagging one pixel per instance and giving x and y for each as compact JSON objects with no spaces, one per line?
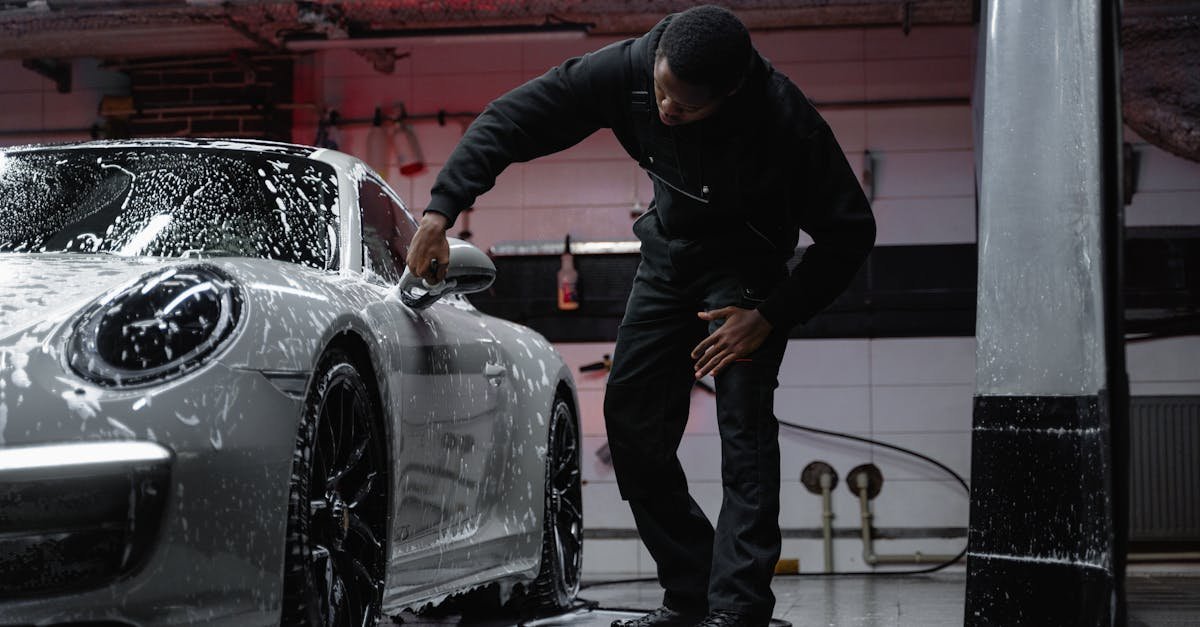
{"x":169,"y":202}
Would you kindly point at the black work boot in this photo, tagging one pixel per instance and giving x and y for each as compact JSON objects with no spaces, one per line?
{"x":662,"y":617}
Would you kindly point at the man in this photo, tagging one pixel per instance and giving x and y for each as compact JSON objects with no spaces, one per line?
{"x":741,"y":162}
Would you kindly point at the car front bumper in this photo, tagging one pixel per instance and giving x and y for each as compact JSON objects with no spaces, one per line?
{"x":183,"y":523}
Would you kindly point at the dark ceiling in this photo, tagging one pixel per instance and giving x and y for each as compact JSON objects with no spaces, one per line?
{"x":57,"y":29}
{"x":1160,"y":85}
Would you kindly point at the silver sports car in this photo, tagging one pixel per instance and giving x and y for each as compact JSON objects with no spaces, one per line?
{"x":223,"y":400}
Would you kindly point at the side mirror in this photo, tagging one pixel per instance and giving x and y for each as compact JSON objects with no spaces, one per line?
{"x":470,"y":271}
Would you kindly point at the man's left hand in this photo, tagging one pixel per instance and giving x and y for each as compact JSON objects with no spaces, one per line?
{"x":743,"y":332}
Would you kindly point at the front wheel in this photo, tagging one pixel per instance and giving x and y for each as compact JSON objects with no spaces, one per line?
{"x":562,"y":537}
{"x":337,"y":509}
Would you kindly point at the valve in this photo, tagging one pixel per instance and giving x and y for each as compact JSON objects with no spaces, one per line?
{"x":812,"y":473}
{"x":865,"y":476}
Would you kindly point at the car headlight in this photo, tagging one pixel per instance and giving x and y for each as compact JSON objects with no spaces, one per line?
{"x":163,"y":326}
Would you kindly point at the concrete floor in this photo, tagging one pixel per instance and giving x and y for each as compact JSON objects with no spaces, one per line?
{"x":1159,"y":597}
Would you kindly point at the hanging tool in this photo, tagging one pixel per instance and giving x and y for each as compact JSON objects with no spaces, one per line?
{"x":327,"y":133}
{"x":379,"y":144}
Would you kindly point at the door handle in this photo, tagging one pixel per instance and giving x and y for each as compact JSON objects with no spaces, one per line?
{"x":494,"y":371}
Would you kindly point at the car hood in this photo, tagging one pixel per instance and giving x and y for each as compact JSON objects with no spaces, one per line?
{"x":42,"y":288}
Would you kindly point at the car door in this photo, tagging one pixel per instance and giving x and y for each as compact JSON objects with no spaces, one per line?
{"x":449,"y":386}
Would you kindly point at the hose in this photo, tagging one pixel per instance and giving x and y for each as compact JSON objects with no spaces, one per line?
{"x":887,"y":573}
{"x":900,"y":449}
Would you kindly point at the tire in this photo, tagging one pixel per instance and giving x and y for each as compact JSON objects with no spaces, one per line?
{"x":335,"y":557}
{"x":557,"y":582}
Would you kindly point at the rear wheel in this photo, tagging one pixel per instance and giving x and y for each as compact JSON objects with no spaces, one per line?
{"x":337,"y":510}
{"x":562,"y":538}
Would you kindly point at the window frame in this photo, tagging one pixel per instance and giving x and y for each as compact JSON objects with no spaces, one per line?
{"x":397,"y":257}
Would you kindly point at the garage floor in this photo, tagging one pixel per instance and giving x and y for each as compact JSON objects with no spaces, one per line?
{"x":1156,"y":598}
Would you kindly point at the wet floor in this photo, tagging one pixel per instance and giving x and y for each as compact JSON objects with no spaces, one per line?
{"x":1159,"y":598}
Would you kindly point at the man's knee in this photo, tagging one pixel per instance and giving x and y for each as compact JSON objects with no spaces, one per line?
{"x":640,"y":440}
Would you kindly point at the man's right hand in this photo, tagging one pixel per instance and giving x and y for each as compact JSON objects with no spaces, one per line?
{"x":430,"y":243}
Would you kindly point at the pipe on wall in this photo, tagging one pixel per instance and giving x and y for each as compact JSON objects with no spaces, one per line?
{"x":827,"y":518}
{"x":870,"y":557}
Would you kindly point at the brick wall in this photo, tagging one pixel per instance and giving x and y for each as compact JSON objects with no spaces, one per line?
{"x":235,"y":96}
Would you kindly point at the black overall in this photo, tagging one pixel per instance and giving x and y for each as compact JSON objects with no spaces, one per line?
{"x":646,"y":410}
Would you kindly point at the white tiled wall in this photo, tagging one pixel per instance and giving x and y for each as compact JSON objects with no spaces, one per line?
{"x":1167,"y":190}
{"x":1165,"y":367}
{"x":922,"y":154}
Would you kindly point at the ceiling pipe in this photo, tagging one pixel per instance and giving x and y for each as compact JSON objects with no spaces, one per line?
{"x":445,"y":35}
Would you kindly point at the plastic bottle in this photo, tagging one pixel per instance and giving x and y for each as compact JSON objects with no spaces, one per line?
{"x":568,"y":279}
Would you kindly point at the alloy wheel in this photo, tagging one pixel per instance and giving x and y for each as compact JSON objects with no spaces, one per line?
{"x":347,"y":505}
{"x":564,"y":507}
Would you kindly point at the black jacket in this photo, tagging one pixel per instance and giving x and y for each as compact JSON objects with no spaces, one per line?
{"x":741,"y":183}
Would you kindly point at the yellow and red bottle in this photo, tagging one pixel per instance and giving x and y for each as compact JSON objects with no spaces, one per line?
{"x":568,"y":280}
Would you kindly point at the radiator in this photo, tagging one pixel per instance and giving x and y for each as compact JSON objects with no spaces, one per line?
{"x":1164,"y":468}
